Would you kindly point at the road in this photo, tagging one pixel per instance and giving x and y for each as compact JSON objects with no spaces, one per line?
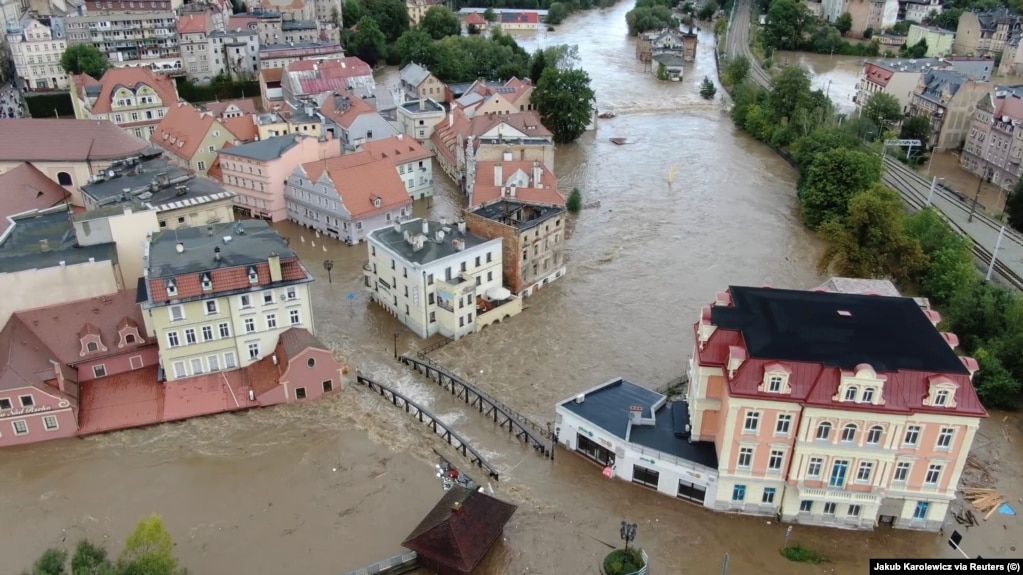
{"x":982,"y":230}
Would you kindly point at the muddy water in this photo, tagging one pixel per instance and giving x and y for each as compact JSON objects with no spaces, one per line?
{"x":331,"y":486}
{"x":836,"y":76}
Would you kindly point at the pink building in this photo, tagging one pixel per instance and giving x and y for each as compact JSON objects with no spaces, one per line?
{"x":841,"y":409}
{"x":52,"y":351}
{"x":256,"y":171}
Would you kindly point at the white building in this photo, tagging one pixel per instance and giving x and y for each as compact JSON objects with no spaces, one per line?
{"x":36,"y":47}
{"x":438,"y":278}
{"x":638,"y":436}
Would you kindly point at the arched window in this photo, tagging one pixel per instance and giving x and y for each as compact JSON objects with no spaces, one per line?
{"x":850,"y":393}
{"x":874,"y":435}
{"x":849,"y":433}
{"x":824,"y":430}
{"x":64,"y":179}
{"x":129,"y":338}
{"x":91,"y":346}
{"x":868,"y":395}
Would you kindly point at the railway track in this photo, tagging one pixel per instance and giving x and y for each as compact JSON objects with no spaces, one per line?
{"x":915,"y":195}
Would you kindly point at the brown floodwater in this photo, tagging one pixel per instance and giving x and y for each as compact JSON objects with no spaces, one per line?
{"x":834,"y":75}
{"x":328,"y":487}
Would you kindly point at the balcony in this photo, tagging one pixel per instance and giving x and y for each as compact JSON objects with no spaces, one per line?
{"x":495,"y":310}
{"x":827,"y":494}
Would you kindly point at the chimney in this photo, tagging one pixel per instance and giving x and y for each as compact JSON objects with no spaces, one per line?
{"x":127,"y":210}
{"x":537,"y":175}
{"x":511,"y":192}
{"x":498,"y":174}
{"x":456,"y":506}
{"x":216,"y":254}
{"x":343,"y":64}
{"x":426,"y":227}
{"x":461,"y":226}
{"x":274,"y":261}
{"x":461,"y":245}
{"x":401,"y":137}
{"x":451,"y":119}
{"x":422,"y":104}
{"x":44,"y":245}
{"x":507,"y":155}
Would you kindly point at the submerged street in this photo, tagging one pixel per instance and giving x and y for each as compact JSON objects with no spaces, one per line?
{"x":334,"y":485}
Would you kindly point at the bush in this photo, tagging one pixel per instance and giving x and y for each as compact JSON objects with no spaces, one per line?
{"x":219,"y":89}
{"x":622,"y":562}
{"x":575,"y":201}
{"x":801,"y":554}
{"x":46,"y":105}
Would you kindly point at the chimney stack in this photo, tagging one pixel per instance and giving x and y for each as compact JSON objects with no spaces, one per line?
{"x":511,"y":192}
{"x":451,"y":119}
{"x":274,"y":261}
{"x":498,"y":174}
{"x":216,"y":254}
{"x":422,"y":104}
{"x":537,"y":174}
{"x":426,"y":227}
{"x":507,"y":155}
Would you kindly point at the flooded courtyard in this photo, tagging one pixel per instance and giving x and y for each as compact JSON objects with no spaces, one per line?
{"x":333,"y":485}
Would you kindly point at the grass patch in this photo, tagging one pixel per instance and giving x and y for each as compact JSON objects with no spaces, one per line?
{"x":801,"y":554}
{"x":622,"y":562}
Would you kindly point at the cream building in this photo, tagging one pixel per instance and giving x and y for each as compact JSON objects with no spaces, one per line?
{"x":135,"y":99}
{"x":130,"y":35}
{"x":835,"y":409}
{"x":36,"y":46}
{"x":438,"y":278}
{"x":939,"y":41}
{"x":218,"y":297}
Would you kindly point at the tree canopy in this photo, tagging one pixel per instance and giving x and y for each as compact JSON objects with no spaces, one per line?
{"x":844,"y":23}
{"x":84,"y":59}
{"x":368,"y":42}
{"x":737,"y":70}
{"x":465,"y":58}
{"x":390,"y":16}
{"x":882,"y":109}
{"x":440,"y":22}
{"x":651,"y":15}
{"x":1014,"y":207}
{"x":834,"y":177}
{"x":564,"y":100}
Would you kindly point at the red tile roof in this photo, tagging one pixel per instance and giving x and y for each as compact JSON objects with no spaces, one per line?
{"x":877,"y":74}
{"x":243,"y":128}
{"x":476,"y":19}
{"x":332,"y":108}
{"x":359,"y":179}
{"x":246,"y":105}
{"x":182,"y":130}
{"x":399,"y":149}
{"x":59,"y":326}
{"x":131,"y":78}
{"x":224,"y":280}
{"x":50,"y":140}
{"x":485,"y":191}
{"x":193,"y":23}
{"x":272,"y":75}
{"x":816,"y":384}
{"x":316,"y":77}
{"x":25,"y":188}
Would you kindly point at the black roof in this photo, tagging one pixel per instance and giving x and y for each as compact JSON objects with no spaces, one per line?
{"x":607,"y":407}
{"x":519,"y":215}
{"x":836,"y":329}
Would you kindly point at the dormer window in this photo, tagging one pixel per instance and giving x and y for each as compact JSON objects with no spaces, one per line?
{"x":253,"y":276}
{"x":376,"y":202}
{"x":207,"y":282}
{"x":172,"y":288}
{"x":92,"y":346}
{"x":861,"y":385}
{"x":868,"y":395}
{"x":774,"y":383}
{"x":776,"y":379}
{"x":850,"y":393}
{"x":942,"y":392}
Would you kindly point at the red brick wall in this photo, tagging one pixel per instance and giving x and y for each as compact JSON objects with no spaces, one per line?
{"x":511,"y":265}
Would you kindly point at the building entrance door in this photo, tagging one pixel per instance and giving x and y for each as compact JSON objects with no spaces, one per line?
{"x":691,"y":491}
{"x":597,"y":453}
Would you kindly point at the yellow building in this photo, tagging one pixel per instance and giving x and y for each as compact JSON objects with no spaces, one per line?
{"x":939,"y":41}
{"x":191,"y":138}
{"x":218,"y":297}
{"x":837,"y":409}
{"x":135,"y":99}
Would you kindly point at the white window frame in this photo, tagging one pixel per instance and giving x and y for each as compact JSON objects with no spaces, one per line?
{"x":180,"y":309}
{"x":213,"y":362}
{"x":182,"y":372}
{"x":751,"y":421}
{"x":295,"y":317}
{"x":945,"y":437}
{"x":914,"y":432}
{"x":268,"y":297}
{"x":132,"y":360}
{"x":826,"y":436}
{"x":874,"y":430}
{"x":745,"y":453}
{"x":224,"y":327}
{"x":815,"y":463}
{"x":941,"y":397}
{"x":245,"y":301}
{"x":212,"y":308}
{"x":864,"y":471}
{"x":24,"y":427}
{"x":775,"y":383}
{"x":191,"y":365}
{"x":271,"y":321}
{"x":849,"y":432}
{"x":31,"y":400}
{"x":784,"y":420}
{"x":290,"y":293}
{"x":904,"y":467}
{"x":776,"y":456}
{"x":933,"y":475}
{"x":253,"y":349}
{"x":48,"y":419}
{"x":250,"y":324}
{"x":101,"y":367}
{"x":230,"y":361}
{"x":191,"y":337}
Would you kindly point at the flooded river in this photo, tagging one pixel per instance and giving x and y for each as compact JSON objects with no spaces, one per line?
{"x":331,"y":486}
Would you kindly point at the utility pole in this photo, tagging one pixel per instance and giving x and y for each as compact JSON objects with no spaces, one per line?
{"x":994,"y":254}
{"x":976,"y":197}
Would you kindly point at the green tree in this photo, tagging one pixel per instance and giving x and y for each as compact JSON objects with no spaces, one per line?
{"x":416,"y":46}
{"x":575,"y":201}
{"x":564,"y":100}
{"x":950,"y":270}
{"x":557,"y":13}
{"x":391,"y":16}
{"x":706,"y":12}
{"x":149,"y":549}
{"x":707,"y":89}
{"x":916,"y":128}
{"x":882,"y":109}
{"x":90,"y":559}
{"x":51,"y":562}
{"x":537,"y":66}
{"x":562,"y":56}
{"x":844,"y":23}
{"x":649,"y":15}
{"x":335,"y":16}
{"x":832,"y":180}
{"x":787,"y":24}
{"x":1014,"y":207}
{"x":737,"y":70}
{"x":489,"y":15}
{"x":368,"y":42}
{"x":995,"y":385}
{"x":918,"y":50}
{"x":352,"y":13}
{"x":439,"y":22}
{"x":791,"y":89}
{"x":871,"y":241}
{"x":84,"y":59}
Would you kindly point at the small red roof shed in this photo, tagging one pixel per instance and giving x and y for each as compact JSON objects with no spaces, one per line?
{"x":456,"y":535}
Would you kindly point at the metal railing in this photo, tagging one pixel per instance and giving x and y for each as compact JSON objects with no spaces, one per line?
{"x":406,"y":562}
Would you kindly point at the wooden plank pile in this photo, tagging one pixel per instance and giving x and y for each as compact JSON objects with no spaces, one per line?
{"x":985,"y":501}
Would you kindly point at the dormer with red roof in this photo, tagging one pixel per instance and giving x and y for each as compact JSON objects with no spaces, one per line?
{"x":91,"y":340}
{"x":861,"y":385}
{"x":776,"y":378}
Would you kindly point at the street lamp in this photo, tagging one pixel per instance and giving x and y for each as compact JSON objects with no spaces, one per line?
{"x":396,"y":345}
{"x":328,"y":265}
{"x":628,"y":533}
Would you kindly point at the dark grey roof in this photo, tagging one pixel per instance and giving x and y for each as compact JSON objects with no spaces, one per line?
{"x":607,"y":407}
{"x":24,"y":247}
{"x":429,"y":105}
{"x":837,"y":329}
{"x":251,"y":241}
{"x":935,"y":82}
{"x":414,"y":74}
{"x":673,"y":60}
{"x":260,"y":13}
{"x":298,"y":25}
{"x":264,"y":150}
{"x":154,"y":182}
{"x":520,"y":215}
{"x":298,"y":46}
{"x":432,"y":249}
{"x":460,"y":88}
{"x":905,"y":65}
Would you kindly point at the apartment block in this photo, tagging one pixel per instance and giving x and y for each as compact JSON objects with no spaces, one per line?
{"x":986,"y":33}
{"x":949,"y":100}
{"x":135,"y":99}
{"x":130,"y":33}
{"x":837,"y":409}
{"x":218,"y":297}
{"x":994,"y":145}
{"x":36,"y":45}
